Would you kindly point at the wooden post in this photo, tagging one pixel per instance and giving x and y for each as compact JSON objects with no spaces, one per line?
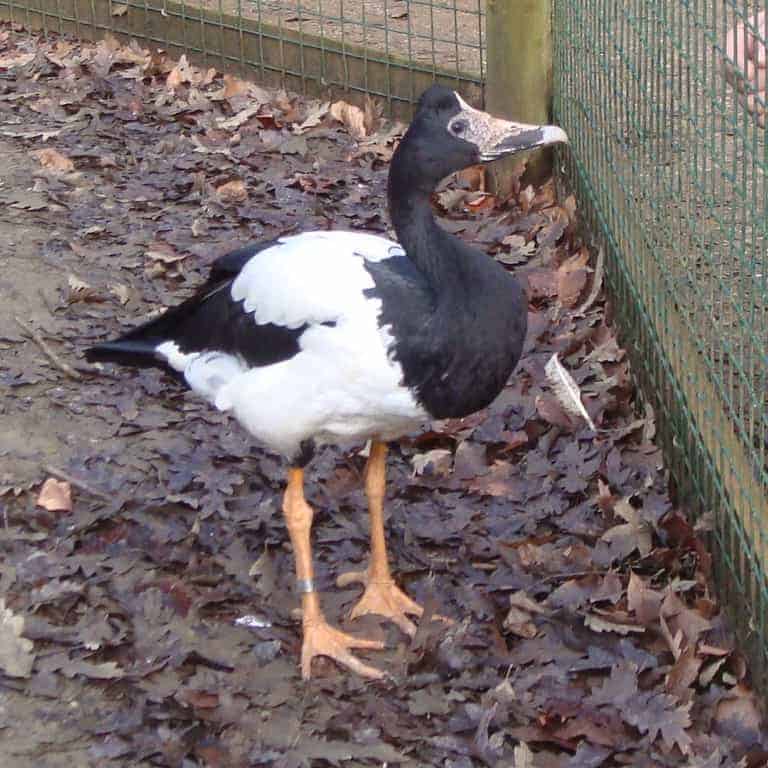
{"x":519,"y":78}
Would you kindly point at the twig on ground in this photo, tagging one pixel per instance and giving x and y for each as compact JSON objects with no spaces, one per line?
{"x":79,"y":484}
{"x":64,"y":367}
{"x":573,"y":575}
{"x":597,"y":284}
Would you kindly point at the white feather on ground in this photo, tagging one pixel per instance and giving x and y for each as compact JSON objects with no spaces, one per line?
{"x":566,"y":390}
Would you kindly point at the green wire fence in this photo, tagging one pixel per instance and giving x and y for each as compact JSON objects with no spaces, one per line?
{"x":391,"y":49}
{"x":669,"y":161}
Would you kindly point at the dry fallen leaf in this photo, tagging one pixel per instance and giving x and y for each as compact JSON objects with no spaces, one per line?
{"x":519,"y":623}
{"x":242,"y":117}
{"x":643,"y":601}
{"x":605,"y":499}
{"x":473,"y":178}
{"x":597,"y":284}
{"x":15,"y":60}
{"x":55,"y":496}
{"x":542,"y":283}
{"x":59,"y":55}
{"x":571,"y":278}
{"x":569,"y":206}
{"x":481,"y":201}
{"x":234,"y":86}
{"x":451,"y":199}
{"x":660,"y":714}
{"x":437,"y":462}
{"x":625,"y":538}
{"x":16,"y":657}
{"x":519,"y":618}
{"x":526,"y":198}
{"x":106,"y":670}
{"x":164,"y":252}
{"x":314,"y":116}
{"x":684,"y":674}
{"x":181,"y":73}
{"x":372,"y":112}
{"x":76,"y":284}
{"x":121,"y":292}
{"x":520,"y":600}
{"x":133,"y":53}
{"x":353,"y":117}
{"x":739,"y":714}
{"x":682,"y":620}
{"x":53,"y":160}
{"x":232,"y":192}
{"x":518,"y":244}
{"x":601,"y":624}
{"x":523,"y":756}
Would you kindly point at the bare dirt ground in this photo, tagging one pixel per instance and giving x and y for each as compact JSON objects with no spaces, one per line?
{"x":36,"y":729}
{"x":150,"y":621}
{"x":446,"y":35}
{"x":33,"y":433}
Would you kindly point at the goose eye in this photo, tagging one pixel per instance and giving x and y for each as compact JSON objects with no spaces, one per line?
{"x":459,"y":127}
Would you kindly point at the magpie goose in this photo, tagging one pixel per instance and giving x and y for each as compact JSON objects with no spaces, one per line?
{"x":332,"y":336}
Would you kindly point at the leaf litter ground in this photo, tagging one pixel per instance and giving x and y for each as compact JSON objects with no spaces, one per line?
{"x":147,"y":615}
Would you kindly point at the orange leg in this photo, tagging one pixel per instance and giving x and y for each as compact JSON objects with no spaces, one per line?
{"x":320,"y":639}
{"x":382,"y":596}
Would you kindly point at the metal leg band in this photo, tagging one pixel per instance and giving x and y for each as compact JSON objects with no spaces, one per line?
{"x":304,"y":586}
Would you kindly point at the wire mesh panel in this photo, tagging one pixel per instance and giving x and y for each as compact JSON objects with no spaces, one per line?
{"x":664,"y":101}
{"x":386,"y":48}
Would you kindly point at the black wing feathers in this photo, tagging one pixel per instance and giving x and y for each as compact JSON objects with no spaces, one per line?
{"x":208,"y":321}
{"x":228,"y":266}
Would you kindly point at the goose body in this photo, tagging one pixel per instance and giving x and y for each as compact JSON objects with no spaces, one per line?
{"x":341,"y":331}
{"x":311,"y":342}
{"x":332,"y":336}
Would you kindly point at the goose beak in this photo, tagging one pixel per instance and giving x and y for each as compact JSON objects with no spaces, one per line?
{"x":509,"y":138}
{"x":495,"y":138}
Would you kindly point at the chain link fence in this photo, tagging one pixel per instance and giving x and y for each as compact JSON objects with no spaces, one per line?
{"x":391,"y":49}
{"x":664,"y":101}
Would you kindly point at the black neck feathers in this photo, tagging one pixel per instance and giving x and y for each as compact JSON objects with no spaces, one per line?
{"x":441,"y":257}
{"x":459,"y":338}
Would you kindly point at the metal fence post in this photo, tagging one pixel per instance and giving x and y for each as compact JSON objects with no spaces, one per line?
{"x":519,"y":81}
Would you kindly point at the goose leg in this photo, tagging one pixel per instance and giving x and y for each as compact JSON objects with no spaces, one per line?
{"x":382,"y":596}
{"x":320,"y":638}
